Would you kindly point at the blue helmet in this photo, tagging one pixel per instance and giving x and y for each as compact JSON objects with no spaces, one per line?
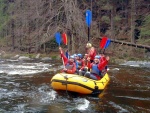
{"x":80,"y":55}
{"x":97,"y":56}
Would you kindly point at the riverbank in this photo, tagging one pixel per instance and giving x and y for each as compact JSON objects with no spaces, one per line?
{"x":56,"y":56}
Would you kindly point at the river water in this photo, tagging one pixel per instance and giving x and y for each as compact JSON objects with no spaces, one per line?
{"x":25,"y":88}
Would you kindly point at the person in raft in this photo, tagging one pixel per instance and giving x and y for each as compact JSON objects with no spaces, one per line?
{"x":79,"y":63}
{"x":91,"y":51}
{"x":105,"y":69}
{"x":96,"y":67}
{"x":69,"y":64}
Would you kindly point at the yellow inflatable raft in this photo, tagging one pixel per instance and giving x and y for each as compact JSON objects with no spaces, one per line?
{"x":78,"y":84}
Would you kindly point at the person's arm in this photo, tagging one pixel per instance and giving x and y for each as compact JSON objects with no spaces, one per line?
{"x":102,"y":58}
{"x":73,"y":70}
{"x":89,"y":64}
{"x":82,"y":64}
{"x":103,"y":63}
{"x":64,"y":58}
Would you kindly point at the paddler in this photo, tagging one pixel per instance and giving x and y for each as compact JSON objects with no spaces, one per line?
{"x":69,"y":63}
{"x":100,"y":62}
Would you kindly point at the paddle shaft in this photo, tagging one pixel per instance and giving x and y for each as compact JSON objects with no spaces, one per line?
{"x":58,"y":40}
{"x":88,"y":34}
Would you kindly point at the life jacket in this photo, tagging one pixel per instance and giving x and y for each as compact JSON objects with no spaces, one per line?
{"x":78,"y":64}
{"x":85,"y":61}
{"x":69,"y":66}
{"x":95,"y":69}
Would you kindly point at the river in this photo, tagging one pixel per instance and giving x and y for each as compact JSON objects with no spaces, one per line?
{"x":25,"y":88}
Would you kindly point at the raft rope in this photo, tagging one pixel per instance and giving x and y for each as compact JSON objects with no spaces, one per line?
{"x":66,"y":78}
{"x":66,"y":84}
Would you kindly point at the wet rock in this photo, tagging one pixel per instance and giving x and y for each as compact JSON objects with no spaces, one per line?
{"x":46,"y":59}
{"x":37,"y":56}
{"x":24,"y":58}
{"x":15,"y":57}
{"x":2,"y":53}
{"x":147,"y":55}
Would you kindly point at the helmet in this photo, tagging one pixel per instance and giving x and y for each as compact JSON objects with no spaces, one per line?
{"x":71,"y":57}
{"x":79,"y":55}
{"x":97,"y":57}
{"x":88,"y":45}
{"x":74,"y":55}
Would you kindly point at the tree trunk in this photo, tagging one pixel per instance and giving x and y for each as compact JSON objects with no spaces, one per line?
{"x":112,"y":23}
{"x":12,"y":34}
{"x":132,"y":21}
{"x":72,"y":40}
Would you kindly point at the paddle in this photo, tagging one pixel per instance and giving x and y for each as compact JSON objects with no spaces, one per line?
{"x":88,"y":21}
{"x":58,"y":40}
{"x":103,"y":42}
{"x":107,"y":44}
{"x":65,"y":41}
{"x":64,"y":37}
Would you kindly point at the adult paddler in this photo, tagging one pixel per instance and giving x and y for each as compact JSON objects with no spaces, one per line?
{"x":91,"y":51}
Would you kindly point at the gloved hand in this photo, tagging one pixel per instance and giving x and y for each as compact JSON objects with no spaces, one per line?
{"x":65,"y":70}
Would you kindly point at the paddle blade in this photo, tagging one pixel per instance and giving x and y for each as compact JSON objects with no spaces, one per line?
{"x":103,"y":42}
{"x":107,"y":43}
{"x":64,"y":37}
{"x":88,"y":17}
{"x":67,"y":54}
{"x":58,"y":38}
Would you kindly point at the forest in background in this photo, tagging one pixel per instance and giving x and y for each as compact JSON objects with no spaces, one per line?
{"x":29,"y":26}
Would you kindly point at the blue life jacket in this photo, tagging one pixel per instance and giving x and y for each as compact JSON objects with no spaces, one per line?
{"x":78,"y":64}
{"x":95,"y":69}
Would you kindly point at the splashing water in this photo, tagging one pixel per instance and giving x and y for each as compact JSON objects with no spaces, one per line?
{"x":84,"y":105}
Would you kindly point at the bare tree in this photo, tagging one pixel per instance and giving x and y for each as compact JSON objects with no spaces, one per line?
{"x":133,"y":21}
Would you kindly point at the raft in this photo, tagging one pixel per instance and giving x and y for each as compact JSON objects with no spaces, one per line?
{"x":78,"y":84}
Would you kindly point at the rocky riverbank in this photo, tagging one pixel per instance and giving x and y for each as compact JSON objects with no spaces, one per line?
{"x":56,"y":56}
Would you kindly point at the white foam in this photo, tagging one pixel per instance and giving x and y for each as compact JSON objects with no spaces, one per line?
{"x":135,"y":98}
{"x":24,"y":68}
{"x":1,"y":71}
{"x":121,"y":110}
{"x":117,"y":69}
{"x":84,"y":105}
{"x":137,"y":63}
